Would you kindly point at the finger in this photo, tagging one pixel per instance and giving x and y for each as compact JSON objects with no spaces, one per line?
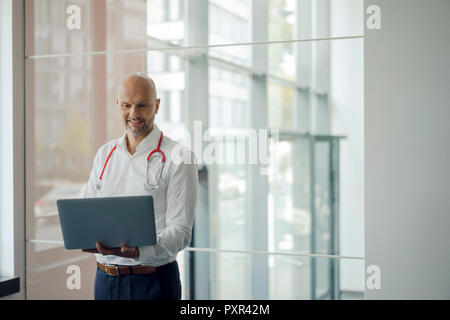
{"x":124,"y":247}
{"x":99,"y":247}
{"x":104,"y":250}
{"x":89,"y":250}
{"x":112,"y":251}
{"x":130,"y":252}
{"x":109,"y":251}
{"x":125,"y":250}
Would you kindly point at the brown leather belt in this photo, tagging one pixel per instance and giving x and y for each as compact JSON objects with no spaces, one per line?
{"x":117,"y":270}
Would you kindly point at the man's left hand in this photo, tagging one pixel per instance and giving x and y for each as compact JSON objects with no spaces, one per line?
{"x":124,"y":251}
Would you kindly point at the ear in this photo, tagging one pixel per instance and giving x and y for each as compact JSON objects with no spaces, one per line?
{"x":158,"y":101}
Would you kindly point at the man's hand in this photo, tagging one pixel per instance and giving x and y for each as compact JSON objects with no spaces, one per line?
{"x":124,"y":251}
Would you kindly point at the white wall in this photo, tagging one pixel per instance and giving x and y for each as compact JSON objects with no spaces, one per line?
{"x":407,"y":149}
{"x":6,"y":175}
{"x":12,"y":199}
{"x":347,"y":118}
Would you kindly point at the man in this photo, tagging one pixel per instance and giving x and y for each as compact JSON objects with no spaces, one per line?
{"x":120,"y":169}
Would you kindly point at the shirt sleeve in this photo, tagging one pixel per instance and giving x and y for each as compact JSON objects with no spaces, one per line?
{"x":181,"y":200}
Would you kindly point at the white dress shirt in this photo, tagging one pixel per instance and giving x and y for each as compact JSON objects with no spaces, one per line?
{"x":174,"y":200}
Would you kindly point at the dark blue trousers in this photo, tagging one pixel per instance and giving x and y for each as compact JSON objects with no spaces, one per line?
{"x":164,"y":284}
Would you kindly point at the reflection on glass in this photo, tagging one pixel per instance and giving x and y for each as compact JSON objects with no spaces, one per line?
{"x":289,"y":197}
{"x":229,"y":22}
{"x":230,"y":222}
{"x":228,"y":111}
{"x":281,"y":106}
{"x":69,"y":108}
{"x":281,"y":26}
{"x":323,"y":242}
{"x":47,"y":276}
{"x":64,"y":26}
{"x":165,"y":21}
{"x":289,"y":277}
{"x":231,"y":208}
{"x":289,"y":218}
{"x":54,"y":27}
{"x":228,"y":98}
{"x":293,"y":225}
{"x":69,"y":124}
{"x":72,"y":110}
{"x":168,"y":72}
{"x":233,"y":284}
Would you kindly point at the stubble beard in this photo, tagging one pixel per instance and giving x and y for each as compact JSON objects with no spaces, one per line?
{"x":141,"y":131}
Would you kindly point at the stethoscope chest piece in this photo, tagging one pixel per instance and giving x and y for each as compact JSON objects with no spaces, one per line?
{"x":98,"y":185}
{"x":153,"y":174}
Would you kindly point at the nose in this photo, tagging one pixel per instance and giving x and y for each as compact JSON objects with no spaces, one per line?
{"x":133,"y":112}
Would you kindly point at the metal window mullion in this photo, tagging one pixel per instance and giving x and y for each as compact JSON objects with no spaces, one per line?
{"x":312,"y":169}
{"x":302,"y":29}
{"x":336,"y":214}
{"x":258,"y":184}
{"x":332,"y":222}
{"x":197,"y":100}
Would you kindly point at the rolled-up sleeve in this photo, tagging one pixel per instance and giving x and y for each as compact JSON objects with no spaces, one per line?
{"x":181,"y":200}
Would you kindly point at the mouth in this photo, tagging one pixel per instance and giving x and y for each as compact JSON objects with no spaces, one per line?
{"x":135,"y":123}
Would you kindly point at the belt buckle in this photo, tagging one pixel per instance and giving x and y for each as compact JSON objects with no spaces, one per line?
{"x":114,"y":266}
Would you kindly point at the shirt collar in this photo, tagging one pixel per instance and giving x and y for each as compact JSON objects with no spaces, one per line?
{"x":149,"y":142}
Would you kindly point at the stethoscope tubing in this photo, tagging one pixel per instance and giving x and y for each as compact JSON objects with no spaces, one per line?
{"x":157,"y":150}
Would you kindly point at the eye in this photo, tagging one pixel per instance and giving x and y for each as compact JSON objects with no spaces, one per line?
{"x":125,"y":105}
{"x":142,"y":105}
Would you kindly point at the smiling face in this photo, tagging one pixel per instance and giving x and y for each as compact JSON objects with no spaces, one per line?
{"x":138,"y":105}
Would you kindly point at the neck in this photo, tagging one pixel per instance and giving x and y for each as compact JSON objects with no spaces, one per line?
{"x":133,"y":141}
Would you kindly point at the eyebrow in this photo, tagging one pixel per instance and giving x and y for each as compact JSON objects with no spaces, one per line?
{"x":141,"y":102}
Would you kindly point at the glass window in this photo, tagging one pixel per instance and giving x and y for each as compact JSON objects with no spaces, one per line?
{"x":229,"y":98}
{"x":281,"y":26}
{"x":281,"y":106}
{"x":167,"y":70}
{"x":71,"y":111}
{"x":229,"y":23}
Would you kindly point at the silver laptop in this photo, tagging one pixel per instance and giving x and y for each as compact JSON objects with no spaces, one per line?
{"x":111,"y":221}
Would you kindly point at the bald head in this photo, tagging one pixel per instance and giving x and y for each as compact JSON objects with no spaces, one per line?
{"x":138,"y":83}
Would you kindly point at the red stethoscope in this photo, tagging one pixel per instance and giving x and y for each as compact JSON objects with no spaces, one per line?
{"x":150,"y":186}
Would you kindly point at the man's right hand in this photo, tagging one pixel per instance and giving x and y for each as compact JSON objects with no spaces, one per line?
{"x":124,"y":251}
